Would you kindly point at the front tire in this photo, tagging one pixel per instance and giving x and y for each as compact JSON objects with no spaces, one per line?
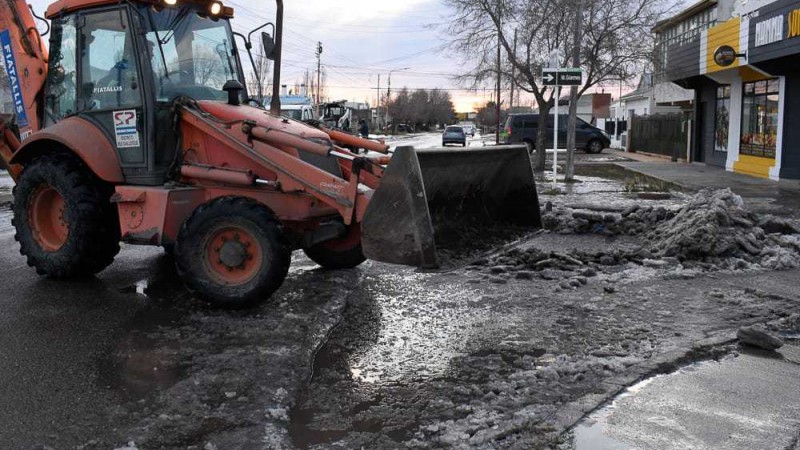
{"x":65,"y":223}
{"x":342,"y":253}
{"x":232,"y":252}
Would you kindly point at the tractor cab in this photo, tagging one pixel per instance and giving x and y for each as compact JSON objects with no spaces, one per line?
{"x":113,"y":64}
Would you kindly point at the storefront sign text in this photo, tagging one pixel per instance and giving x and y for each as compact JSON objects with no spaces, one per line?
{"x":769,"y":31}
{"x":794,"y":23}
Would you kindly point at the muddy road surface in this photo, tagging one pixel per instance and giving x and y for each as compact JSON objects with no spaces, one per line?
{"x":511,"y":351}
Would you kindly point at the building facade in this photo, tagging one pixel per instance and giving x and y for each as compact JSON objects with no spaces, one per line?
{"x":742,"y":118}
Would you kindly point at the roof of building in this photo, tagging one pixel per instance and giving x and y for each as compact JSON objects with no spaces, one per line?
{"x":643,"y":90}
{"x":698,"y":7}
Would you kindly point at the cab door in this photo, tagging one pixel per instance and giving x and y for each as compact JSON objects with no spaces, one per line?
{"x":110,"y":89}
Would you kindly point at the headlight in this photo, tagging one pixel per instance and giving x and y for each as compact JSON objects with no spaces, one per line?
{"x":215,"y":9}
{"x":170,"y":2}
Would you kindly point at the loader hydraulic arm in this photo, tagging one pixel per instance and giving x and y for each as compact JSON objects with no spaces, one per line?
{"x":25,"y":62}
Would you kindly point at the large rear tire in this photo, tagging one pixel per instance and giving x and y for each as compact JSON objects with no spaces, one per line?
{"x":232,"y":253}
{"x":65,"y":223}
{"x":342,"y":253}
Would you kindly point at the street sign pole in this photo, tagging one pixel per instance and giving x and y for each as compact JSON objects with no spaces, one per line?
{"x":555,"y":137}
{"x":556,"y":76}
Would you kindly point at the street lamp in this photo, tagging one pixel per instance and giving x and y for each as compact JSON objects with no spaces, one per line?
{"x":389,"y":92}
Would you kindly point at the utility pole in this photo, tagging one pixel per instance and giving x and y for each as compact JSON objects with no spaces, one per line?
{"x":378,"y":104}
{"x":319,"y":75}
{"x":513,"y":73}
{"x":569,"y":170}
{"x":497,"y":104}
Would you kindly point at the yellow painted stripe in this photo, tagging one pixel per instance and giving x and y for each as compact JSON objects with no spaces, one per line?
{"x":754,"y":166}
{"x":748,"y":73}
{"x":726,"y":33}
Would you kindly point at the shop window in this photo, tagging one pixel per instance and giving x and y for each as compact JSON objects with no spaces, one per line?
{"x":760,"y":118}
{"x":722,"y":119}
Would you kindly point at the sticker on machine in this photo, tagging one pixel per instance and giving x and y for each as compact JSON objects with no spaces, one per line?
{"x":125,"y":128}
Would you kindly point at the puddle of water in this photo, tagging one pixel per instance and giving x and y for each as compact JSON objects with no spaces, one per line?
{"x":140,"y":364}
{"x":591,"y":433}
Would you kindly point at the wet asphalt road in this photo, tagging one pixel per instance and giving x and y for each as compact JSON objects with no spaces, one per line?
{"x":129,"y":356}
{"x":56,"y":344}
{"x":378,"y":357}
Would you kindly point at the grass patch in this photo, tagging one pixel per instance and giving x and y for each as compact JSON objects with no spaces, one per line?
{"x":643,"y":183}
{"x":552,"y":191}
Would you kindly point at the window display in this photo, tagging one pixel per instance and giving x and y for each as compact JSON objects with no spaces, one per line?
{"x":760,"y":118}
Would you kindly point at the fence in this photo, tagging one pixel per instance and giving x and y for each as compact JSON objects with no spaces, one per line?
{"x":662,"y":134}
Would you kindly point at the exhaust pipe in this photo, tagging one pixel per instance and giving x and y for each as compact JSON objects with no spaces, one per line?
{"x":275,"y":104}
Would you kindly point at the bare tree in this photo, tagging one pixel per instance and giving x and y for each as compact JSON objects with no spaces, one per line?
{"x":616,"y":42}
{"x":480,"y":24}
{"x":258,"y":76}
{"x":208,"y":69}
{"x":422,"y":108}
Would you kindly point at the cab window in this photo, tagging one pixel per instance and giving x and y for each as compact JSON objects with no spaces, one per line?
{"x":109,"y":75}
{"x":62,"y":74}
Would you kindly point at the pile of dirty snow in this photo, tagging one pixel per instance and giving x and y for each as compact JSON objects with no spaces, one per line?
{"x":712,"y":231}
{"x":712,"y":224}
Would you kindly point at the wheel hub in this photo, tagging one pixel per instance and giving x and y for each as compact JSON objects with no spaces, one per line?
{"x":47,"y":218}
{"x":233,"y":254}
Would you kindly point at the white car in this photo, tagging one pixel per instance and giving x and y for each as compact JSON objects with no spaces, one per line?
{"x":297,"y":112}
{"x":468,"y":129}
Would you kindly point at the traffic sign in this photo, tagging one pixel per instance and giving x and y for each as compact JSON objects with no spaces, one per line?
{"x":565,"y":76}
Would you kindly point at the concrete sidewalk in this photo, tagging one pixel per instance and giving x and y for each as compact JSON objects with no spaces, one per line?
{"x":761,"y":195}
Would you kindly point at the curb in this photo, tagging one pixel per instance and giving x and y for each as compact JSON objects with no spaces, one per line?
{"x":711,"y":347}
{"x":682,"y":186}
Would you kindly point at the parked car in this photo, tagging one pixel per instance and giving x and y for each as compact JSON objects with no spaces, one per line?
{"x":523,"y":129}
{"x":468,"y":129}
{"x":454,"y":135}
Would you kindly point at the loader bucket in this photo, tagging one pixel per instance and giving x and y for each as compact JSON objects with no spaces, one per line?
{"x":430,"y":201}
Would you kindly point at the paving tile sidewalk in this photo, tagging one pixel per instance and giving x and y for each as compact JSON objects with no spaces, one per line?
{"x":761,"y":195}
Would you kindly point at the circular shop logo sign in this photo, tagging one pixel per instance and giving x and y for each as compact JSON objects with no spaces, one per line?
{"x":725,"y":55}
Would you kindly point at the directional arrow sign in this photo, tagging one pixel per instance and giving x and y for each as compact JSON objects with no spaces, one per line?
{"x":549,"y":77}
{"x":562,"y":77}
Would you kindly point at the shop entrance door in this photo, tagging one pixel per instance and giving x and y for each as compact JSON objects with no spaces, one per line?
{"x":699,"y":133}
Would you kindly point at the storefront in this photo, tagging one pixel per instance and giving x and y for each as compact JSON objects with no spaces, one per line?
{"x":740,"y":121}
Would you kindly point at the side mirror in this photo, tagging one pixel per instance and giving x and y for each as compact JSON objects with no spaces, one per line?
{"x":268,"y":45}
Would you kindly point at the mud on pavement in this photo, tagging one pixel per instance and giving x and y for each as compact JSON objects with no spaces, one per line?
{"x":180,"y":375}
{"x":513,"y":350}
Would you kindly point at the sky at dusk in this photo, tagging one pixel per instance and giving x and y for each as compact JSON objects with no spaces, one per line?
{"x":361,"y":40}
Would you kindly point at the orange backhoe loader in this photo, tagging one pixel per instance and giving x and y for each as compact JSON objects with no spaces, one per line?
{"x":132,"y":124}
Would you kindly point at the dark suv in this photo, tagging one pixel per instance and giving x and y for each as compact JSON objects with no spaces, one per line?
{"x":454,"y":135}
{"x":522,"y":129}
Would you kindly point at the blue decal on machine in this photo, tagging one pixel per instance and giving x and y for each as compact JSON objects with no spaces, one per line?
{"x":13,"y":78}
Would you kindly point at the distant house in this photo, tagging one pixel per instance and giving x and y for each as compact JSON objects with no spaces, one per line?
{"x":591,"y":106}
{"x":642,"y":100}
